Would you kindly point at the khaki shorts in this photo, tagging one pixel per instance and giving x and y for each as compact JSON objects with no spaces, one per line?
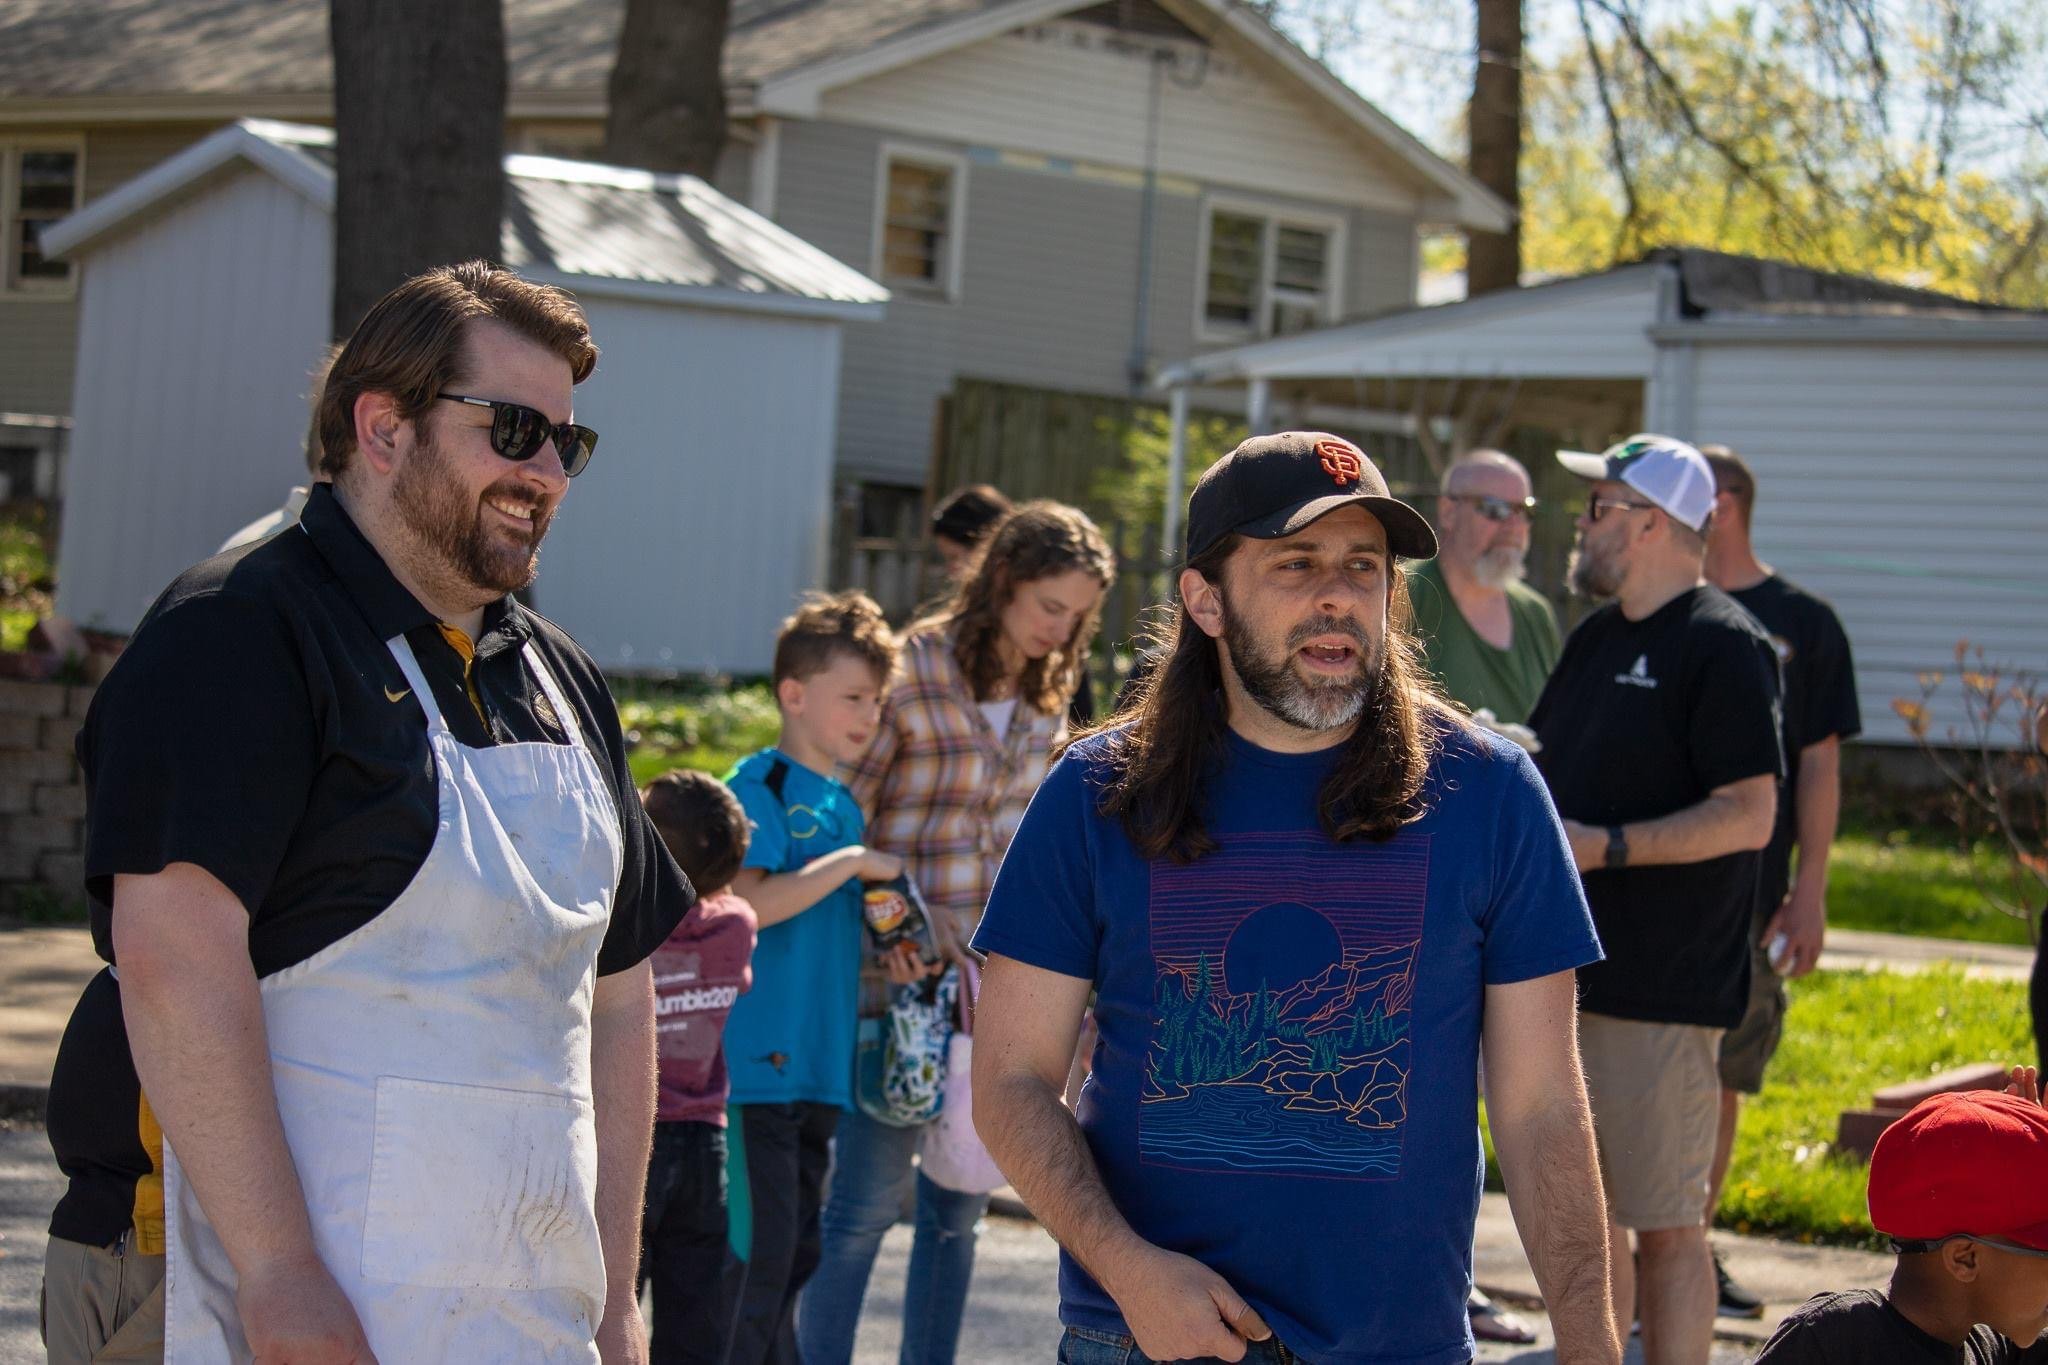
{"x":1656,"y":1093}
{"x":101,"y":1304}
{"x":1748,"y":1048}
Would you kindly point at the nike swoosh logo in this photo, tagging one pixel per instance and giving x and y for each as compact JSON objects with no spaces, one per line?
{"x":391,"y":696}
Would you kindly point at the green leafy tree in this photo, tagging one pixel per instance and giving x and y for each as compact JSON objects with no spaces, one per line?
{"x":1740,"y":132}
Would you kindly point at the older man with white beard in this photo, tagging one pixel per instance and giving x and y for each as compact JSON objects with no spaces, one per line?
{"x":1489,"y":639}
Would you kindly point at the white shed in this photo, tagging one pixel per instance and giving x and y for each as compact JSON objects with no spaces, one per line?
{"x":204,"y":304}
{"x":1900,"y":438}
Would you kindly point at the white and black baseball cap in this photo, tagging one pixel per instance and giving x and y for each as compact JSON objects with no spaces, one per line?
{"x":1663,"y":469}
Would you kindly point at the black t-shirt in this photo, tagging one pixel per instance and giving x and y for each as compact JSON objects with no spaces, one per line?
{"x":1819,"y":703}
{"x":1860,"y":1327}
{"x":1641,"y":719}
{"x":258,"y":726}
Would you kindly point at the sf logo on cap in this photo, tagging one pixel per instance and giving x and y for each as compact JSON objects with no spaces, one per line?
{"x":1341,"y":461}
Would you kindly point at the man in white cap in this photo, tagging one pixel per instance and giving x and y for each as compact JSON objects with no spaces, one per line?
{"x":1659,"y":741}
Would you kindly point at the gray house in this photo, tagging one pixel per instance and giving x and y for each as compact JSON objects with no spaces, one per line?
{"x":204,"y":305}
{"x":1058,"y":194}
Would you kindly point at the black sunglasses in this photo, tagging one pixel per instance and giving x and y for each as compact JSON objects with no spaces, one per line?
{"x":518,"y":432}
{"x":1497,"y":509}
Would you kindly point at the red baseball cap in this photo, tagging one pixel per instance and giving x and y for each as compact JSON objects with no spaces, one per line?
{"x":1973,"y":1161}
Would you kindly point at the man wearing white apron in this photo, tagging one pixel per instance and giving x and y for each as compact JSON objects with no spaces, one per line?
{"x":372,"y":1077}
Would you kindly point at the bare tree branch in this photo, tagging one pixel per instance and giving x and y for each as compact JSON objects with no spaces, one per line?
{"x":1632,"y":211}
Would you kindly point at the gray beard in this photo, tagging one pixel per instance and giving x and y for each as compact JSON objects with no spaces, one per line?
{"x":1500,"y":567}
{"x":1590,"y":576}
{"x":1282,"y":692}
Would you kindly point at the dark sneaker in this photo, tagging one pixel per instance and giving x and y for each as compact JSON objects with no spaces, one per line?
{"x":1736,"y":1302}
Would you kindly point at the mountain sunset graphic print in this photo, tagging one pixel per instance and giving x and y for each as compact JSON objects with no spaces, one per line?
{"x":1285,"y":972}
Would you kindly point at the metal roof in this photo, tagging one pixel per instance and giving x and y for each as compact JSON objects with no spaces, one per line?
{"x":1713,"y":297}
{"x":595,"y":229}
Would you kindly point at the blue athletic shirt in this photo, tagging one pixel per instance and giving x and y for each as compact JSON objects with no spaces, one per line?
{"x":1284,"y":1085}
{"x":791,"y":1037}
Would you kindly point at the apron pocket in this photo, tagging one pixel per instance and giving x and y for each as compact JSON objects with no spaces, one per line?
{"x":478,"y":1188}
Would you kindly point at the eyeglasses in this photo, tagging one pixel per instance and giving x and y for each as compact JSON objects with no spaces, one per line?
{"x":518,"y":432}
{"x":1497,"y":509}
{"x":1595,"y":506}
{"x":1906,"y":1248}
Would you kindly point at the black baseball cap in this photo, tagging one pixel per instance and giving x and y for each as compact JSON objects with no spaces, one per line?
{"x":1272,"y":486}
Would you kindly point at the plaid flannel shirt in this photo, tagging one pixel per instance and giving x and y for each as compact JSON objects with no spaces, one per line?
{"x":940,"y":788}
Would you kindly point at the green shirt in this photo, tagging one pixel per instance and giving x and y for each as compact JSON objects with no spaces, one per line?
{"x":1475,"y":674}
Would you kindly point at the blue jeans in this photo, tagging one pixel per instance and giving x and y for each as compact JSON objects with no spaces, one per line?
{"x":685,"y":1248}
{"x":871,"y":1178}
{"x":1086,"y":1346}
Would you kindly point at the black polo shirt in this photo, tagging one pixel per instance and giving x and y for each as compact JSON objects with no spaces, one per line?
{"x":258,"y":726}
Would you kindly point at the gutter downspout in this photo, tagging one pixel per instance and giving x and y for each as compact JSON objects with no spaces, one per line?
{"x":1138,"y":362}
{"x":1176,"y":474}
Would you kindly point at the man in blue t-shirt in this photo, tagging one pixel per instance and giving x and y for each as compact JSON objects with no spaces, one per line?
{"x":1305,"y":895}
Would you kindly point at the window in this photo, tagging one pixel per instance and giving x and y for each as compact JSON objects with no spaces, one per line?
{"x":917,"y":236}
{"x":39,"y":184}
{"x":1268,"y":275}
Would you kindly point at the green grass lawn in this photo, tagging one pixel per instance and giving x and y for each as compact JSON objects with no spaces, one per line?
{"x":1917,"y":882}
{"x":707,"y":729}
{"x":1846,"y":1035}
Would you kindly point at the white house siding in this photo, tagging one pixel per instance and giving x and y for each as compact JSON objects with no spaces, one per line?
{"x":1049,"y":283}
{"x":192,"y":420}
{"x":704,"y":513}
{"x":1081,"y":90}
{"x":39,"y":336}
{"x":1590,"y":329}
{"x":1905,"y":484}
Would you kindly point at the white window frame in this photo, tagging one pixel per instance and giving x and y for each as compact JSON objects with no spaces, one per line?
{"x":895,"y":153}
{"x":11,"y":148}
{"x":1275,"y":216}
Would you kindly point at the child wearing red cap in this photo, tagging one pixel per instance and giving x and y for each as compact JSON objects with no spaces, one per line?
{"x":1960,"y":1186}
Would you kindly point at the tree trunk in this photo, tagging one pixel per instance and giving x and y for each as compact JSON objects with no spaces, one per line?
{"x":1494,"y":259}
{"x":666,"y":105}
{"x":419,"y":117}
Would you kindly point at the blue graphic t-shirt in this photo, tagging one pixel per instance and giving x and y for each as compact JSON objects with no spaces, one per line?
{"x":1284,"y":1088}
{"x":791,"y":1037}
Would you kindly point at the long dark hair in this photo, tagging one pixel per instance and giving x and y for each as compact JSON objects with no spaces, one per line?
{"x":1038,"y":540}
{"x":1169,"y":740}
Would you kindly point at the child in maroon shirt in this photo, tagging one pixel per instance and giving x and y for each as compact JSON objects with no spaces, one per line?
{"x":698,"y":973}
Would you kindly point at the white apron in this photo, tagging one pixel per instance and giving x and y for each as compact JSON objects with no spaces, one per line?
{"x":433,"y":1074}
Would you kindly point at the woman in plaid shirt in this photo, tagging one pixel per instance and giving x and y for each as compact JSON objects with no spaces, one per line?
{"x":968,"y":730}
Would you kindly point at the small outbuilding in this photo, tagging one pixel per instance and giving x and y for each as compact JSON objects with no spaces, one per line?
{"x":204,"y":308}
{"x":1899,"y":437}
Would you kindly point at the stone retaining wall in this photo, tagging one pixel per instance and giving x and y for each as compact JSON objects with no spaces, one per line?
{"x":42,"y":798}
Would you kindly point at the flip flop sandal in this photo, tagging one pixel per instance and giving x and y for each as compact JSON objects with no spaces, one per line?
{"x":1491,"y":1322}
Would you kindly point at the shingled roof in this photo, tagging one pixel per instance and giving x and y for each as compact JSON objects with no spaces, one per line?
{"x":114,"y":49}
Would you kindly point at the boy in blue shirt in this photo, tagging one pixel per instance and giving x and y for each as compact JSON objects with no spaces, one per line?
{"x":789,"y":1043}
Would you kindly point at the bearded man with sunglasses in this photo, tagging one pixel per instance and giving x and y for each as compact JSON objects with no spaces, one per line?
{"x":373,"y":1073}
{"x":1488,"y":637}
{"x":1659,"y":740}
